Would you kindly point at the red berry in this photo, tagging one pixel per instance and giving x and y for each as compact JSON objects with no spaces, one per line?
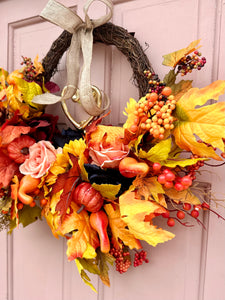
{"x":205,"y":206}
{"x":166,"y":215}
{"x":156,"y":167}
{"x":180,"y":214}
{"x":194,"y":213}
{"x":162,"y":178}
{"x":197,"y":207}
{"x":168,"y":184}
{"x":170,"y":176}
{"x":186,"y":181}
{"x":19,"y":205}
{"x":178,"y":187}
{"x":32,"y":204}
{"x":171,"y":222}
{"x":166,"y":171}
{"x":186,"y":206}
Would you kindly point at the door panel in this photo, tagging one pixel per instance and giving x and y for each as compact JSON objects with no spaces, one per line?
{"x":192,"y":266}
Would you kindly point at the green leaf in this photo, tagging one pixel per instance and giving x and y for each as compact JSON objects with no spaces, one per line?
{"x":5,"y":204}
{"x":108,"y":191}
{"x":27,"y":215}
{"x":170,"y":78}
{"x":89,"y":265}
{"x":159,"y":152}
{"x":29,"y":90}
{"x":103,"y":260}
{"x":84,"y":275}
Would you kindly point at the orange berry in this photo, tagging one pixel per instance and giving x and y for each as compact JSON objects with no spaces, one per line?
{"x":19,"y":205}
{"x":43,"y":201}
{"x":166,"y":91}
{"x":32,"y":204}
{"x":133,"y":128}
{"x":153,"y":97}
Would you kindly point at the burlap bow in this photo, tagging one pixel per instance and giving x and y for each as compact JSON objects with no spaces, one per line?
{"x":81,"y":43}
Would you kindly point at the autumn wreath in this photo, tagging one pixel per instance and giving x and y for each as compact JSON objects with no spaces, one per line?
{"x":101,"y":188}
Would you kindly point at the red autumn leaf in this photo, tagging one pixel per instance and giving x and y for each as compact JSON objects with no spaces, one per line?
{"x":67,"y":183}
{"x":7,"y":169}
{"x":14,"y":120}
{"x":93,"y":126}
{"x":10,"y":132}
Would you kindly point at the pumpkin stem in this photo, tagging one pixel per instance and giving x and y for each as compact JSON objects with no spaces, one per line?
{"x":81,"y":208}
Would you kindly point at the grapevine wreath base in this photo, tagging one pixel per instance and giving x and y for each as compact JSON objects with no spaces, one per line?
{"x":102,"y":187}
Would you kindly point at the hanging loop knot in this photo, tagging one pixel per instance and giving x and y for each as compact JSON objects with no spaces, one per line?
{"x":81,"y":43}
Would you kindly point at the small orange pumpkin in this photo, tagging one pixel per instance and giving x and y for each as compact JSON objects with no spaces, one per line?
{"x":85,"y":195}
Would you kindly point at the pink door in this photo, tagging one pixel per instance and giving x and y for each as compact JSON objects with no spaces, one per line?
{"x":190,"y":267}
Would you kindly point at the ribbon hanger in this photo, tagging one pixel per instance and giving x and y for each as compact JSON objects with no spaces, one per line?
{"x":81,"y":43}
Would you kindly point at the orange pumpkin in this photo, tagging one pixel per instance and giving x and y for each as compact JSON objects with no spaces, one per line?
{"x":85,"y":195}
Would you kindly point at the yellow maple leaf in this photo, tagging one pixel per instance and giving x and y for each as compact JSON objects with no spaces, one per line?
{"x":118,"y":228}
{"x":149,"y":188}
{"x":29,"y":90}
{"x":113,"y":134}
{"x":185,"y":196}
{"x":173,"y":58}
{"x":133,"y":212}
{"x":62,"y":162}
{"x":207,"y":122}
{"x":129,"y":112}
{"x":108,"y":191}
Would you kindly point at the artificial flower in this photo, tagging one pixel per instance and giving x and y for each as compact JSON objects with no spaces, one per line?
{"x":106,"y":147}
{"x":41,"y":157}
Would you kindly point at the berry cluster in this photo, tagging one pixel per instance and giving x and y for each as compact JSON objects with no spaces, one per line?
{"x":123,"y":260}
{"x":186,"y":209}
{"x":140,"y":257}
{"x":168,"y":179}
{"x":29,"y":71}
{"x":193,"y":168}
{"x":190,"y":62}
{"x":154,"y":113}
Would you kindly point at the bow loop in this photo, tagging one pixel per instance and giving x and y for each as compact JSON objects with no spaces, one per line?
{"x":81,"y":43}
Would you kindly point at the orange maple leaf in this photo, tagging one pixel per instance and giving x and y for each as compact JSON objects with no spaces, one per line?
{"x":133,"y":212}
{"x":119,"y":230}
{"x":82,"y":232}
{"x":206,"y":122}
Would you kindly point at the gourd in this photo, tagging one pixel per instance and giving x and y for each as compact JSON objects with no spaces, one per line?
{"x":99,"y":222}
{"x":28,"y":185}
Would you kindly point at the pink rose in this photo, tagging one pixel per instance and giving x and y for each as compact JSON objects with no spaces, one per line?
{"x":41,"y":156}
{"x":106,"y":147}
